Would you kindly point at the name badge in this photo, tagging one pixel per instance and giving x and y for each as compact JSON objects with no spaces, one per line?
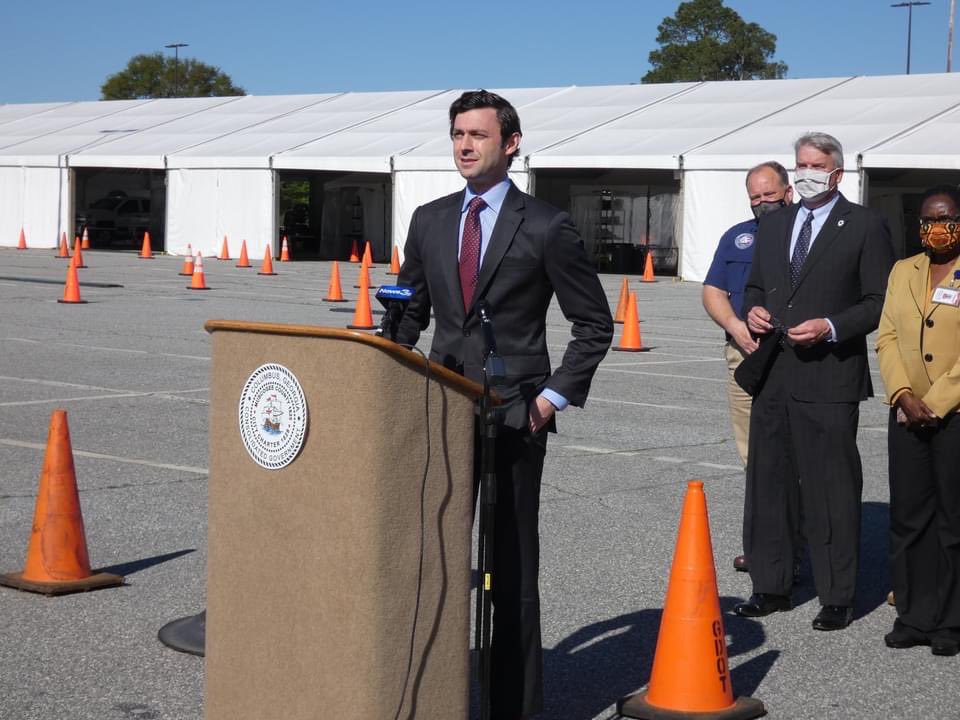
{"x":946,"y":296}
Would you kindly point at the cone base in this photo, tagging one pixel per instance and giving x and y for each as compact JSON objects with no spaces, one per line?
{"x":627,"y":349}
{"x":334,"y":299}
{"x":361,"y":327}
{"x":186,"y":635}
{"x":248,"y":265}
{"x":144,"y":257}
{"x":389,"y":272}
{"x":71,"y":302}
{"x":94,"y":582}
{"x":80,"y":266}
{"x":636,"y":706}
{"x":263,"y":273}
{"x":190,"y":287}
{"x":647,"y":281}
{"x":185,"y":274}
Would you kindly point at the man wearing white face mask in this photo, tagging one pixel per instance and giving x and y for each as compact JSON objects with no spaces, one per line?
{"x":816,"y":290}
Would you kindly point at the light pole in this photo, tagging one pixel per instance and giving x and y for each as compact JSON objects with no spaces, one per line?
{"x":176,"y":65}
{"x":909,"y":7}
{"x":953,"y":11}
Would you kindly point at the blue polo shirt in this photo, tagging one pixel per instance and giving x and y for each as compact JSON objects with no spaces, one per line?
{"x":730,"y":268}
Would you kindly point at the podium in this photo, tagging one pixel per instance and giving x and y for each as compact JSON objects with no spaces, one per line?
{"x":338,"y":570}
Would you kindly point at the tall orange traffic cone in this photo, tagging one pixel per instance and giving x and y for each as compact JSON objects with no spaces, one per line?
{"x":630,"y":337}
{"x":22,"y":242}
{"x":691,"y":675}
{"x":85,"y":243}
{"x":364,"y":279}
{"x":244,"y":261}
{"x":198,"y":280}
{"x":394,"y":262}
{"x":71,"y":290}
{"x":284,"y":251}
{"x":367,"y":255}
{"x":267,"y":267}
{"x":224,"y":250}
{"x":64,"y":251}
{"x":145,"y":252}
{"x":362,"y":316}
{"x":57,"y":558}
{"x":648,"y":268}
{"x":187,"y":269}
{"x":622,"y":302}
{"x":77,"y":255}
{"x":354,"y":255}
{"x":334,"y":291}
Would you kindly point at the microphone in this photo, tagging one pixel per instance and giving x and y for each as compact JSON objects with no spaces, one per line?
{"x":494,"y":368}
{"x":394,"y":299}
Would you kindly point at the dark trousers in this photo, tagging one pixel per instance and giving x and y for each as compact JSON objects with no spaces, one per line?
{"x":803,"y":467}
{"x":925,"y":523}
{"x":516,"y":682}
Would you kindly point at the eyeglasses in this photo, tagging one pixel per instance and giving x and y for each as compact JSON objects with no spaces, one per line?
{"x":953,"y":221}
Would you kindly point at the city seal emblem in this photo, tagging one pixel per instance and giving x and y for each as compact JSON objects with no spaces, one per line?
{"x":743,"y":241}
{"x":273,"y":416}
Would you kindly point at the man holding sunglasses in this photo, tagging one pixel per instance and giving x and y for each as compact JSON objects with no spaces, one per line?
{"x":820,"y":269}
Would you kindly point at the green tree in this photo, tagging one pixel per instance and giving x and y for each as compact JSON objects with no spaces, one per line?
{"x":705,"y":40}
{"x":158,"y":76}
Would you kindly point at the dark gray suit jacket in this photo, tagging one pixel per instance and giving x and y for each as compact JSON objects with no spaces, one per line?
{"x":844,"y":279}
{"x":534,"y":252}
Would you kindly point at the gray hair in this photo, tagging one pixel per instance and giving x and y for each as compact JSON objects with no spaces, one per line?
{"x":824,"y":143}
{"x":779,"y":169}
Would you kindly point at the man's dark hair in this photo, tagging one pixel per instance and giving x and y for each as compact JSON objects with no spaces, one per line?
{"x":478,"y":99}
{"x":950,"y":191}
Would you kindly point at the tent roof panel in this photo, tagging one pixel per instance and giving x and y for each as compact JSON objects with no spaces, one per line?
{"x":928,"y":146}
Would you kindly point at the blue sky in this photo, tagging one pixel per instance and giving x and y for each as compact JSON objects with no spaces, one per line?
{"x":59,"y":50}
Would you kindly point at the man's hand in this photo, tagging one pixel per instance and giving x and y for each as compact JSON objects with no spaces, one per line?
{"x":541,"y":410}
{"x":741,"y":336}
{"x":810,"y":332}
{"x":758,"y":320}
{"x":916,"y":411}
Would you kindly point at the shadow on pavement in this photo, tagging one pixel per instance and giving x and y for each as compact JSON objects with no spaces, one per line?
{"x":135,"y":566}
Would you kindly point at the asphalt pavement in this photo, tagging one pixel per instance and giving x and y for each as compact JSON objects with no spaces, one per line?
{"x":132,"y":368}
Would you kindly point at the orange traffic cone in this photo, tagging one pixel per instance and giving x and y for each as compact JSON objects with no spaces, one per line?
{"x":22,"y":242}
{"x":648,"y":268}
{"x":145,"y":252}
{"x":354,"y":256}
{"x":362,"y":317}
{"x":64,"y":252}
{"x":244,"y":260}
{"x":334,"y":291}
{"x":622,"y":302}
{"x":691,"y":675}
{"x":394,"y":262}
{"x":187,"y":269}
{"x":224,"y":250}
{"x":630,"y":337}
{"x":85,"y":244}
{"x":71,"y":290}
{"x":367,"y":255}
{"x":364,"y":279}
{"x":198,"y":281}
{"x":77,"y":255}
{"x":57,"y":558}
{"x":284,"y":251}
{"x":267,"y":267}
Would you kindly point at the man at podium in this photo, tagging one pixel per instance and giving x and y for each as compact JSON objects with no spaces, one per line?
{"x":493,"y":246}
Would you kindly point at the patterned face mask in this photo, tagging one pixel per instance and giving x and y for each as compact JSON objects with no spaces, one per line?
{"x":940,"y":235}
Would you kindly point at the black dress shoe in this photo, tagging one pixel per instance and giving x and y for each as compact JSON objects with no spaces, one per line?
{"x":903,"y":636}
{"x":833,"y":617}
{"x":945,"y":642}
{"x":762,"y":604}
{"x":740,"y":564}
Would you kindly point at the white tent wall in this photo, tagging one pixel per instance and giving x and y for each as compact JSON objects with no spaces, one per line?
{"x":715,"y":200}
{"x":36,"y":199}
{"x":205,"y":205}
{"x":413,"y":188}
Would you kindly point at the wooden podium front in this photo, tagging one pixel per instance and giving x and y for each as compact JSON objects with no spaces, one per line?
{"x":338,"y":585}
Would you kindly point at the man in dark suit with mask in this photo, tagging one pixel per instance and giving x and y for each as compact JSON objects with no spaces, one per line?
{"x":494,"y":244}
{"x":819,"y":275}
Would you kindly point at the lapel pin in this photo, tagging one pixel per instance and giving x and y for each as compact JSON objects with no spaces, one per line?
{"x":841,"y":222}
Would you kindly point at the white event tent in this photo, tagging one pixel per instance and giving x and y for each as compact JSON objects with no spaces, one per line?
{"x":218,"y":162}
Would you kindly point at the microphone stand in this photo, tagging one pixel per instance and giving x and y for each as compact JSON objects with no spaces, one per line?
{"x":493,"y":373}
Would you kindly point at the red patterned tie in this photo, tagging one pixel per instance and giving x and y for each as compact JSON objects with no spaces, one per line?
{"x":470,"y":250}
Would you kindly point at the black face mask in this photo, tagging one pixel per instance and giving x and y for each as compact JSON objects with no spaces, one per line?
{"x":767,"y":207}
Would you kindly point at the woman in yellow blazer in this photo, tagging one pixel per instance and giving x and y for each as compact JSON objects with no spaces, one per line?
{"x":918,"y":345}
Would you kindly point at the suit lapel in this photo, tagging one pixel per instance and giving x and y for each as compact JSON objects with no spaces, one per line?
{"x":783,"y":250}
{"x":827,"y":235}
{"x":449,"y":246}
{"x":509,"y":219}
{"x":918,"y":281}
